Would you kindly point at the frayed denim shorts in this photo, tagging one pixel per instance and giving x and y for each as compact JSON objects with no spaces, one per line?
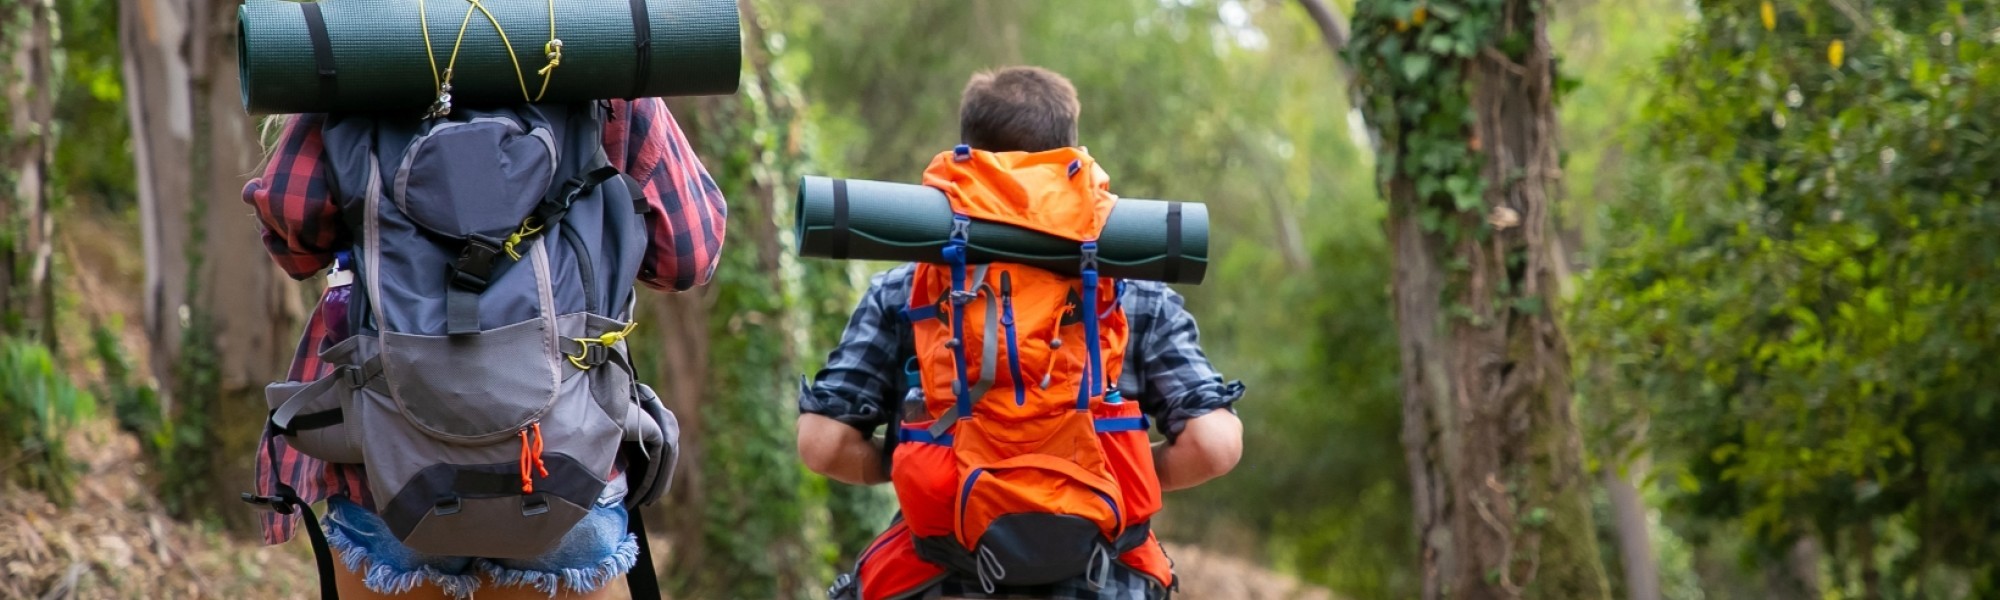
{"x":597,"y":551}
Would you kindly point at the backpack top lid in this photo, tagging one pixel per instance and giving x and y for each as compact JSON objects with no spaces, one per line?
{"x":1060,"y":192}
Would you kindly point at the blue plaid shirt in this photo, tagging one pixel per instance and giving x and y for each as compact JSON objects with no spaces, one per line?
{"x":1165,"y":369}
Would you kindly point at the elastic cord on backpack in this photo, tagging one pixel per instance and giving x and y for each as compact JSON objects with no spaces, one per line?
{"x":531,"y":457}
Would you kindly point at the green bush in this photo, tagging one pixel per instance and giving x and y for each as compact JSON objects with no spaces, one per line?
{"x":37,"y":405}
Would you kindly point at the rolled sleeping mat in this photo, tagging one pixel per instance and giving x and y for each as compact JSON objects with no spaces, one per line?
{"x":369,"y":55}
{"x":1142,"y":239}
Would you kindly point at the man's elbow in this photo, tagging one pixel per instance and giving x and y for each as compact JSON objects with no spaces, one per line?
{"x":1217,"y":440}
{"x":817,"y":450}
{"x":822,"y":441}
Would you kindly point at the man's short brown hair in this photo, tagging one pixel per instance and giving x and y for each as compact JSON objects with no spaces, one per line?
{"x":1018,"y":109}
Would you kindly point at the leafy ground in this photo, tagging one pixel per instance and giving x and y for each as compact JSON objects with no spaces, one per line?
{"x":117,"y":542}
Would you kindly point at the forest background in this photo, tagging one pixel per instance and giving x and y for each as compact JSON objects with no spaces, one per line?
{"x":1767,"y":230}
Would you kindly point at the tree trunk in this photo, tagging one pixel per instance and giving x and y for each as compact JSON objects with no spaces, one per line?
{"x":27,"y":300}
{"x":219,"y":315}
{"x":1635,"y":545}
{"x":682,"y":380}
{"x":1495,"y":458}
{"x":1796,"y":577}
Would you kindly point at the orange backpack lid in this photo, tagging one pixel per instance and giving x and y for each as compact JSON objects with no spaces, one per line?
{"x":1060,"y":192}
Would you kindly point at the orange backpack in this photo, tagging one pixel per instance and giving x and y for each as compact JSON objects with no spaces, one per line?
{"x":1027,"y":467}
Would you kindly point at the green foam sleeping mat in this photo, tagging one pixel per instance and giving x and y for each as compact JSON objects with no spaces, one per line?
{"x":370,"y":55}
{"x":1142,"y":239}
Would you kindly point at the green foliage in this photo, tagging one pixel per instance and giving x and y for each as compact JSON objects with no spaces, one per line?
{"x":93,"y":164}
{"x":135,"y":404}
{"x":771,"y":528}
{"x":38,"y":405}
{"x":1799,"y":289}
{"x":1410,"y":58}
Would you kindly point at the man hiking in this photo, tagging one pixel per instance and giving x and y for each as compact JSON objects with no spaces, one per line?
{"x":1018,"y":399}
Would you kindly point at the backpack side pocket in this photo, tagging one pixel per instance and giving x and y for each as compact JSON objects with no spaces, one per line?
{"x":652,"y":447}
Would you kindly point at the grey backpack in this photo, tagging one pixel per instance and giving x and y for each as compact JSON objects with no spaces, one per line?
{"x":487,"y":386}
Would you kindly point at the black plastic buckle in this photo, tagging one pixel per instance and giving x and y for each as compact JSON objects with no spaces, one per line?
{"x":278,"y":504}
{"x":592,"y":355}
{"x":534,"y":505}
{"x":474,"y":268}
{"x":447,"y":507}
{"x":1089,"y":255}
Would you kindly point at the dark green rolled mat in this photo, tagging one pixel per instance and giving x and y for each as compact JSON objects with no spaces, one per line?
{"x":910,"y":223}
{"x":375,"y":58}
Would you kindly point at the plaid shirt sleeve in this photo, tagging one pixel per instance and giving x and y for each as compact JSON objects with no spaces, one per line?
{"x":687,"y":220}
{"x":860,"y":372}
{"x":294,"y":203}
{"x":1165,"y":366}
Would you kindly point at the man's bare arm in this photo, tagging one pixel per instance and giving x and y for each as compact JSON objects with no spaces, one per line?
{"x":840,"y":452}
{"x":1208,"y":447}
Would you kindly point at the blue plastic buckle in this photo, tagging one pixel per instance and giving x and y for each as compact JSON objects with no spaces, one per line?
{"x":1075,"y":166}
{"x":961,"y":153}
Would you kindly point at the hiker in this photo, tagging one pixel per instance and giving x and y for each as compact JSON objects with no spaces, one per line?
{"x":628,"y":199}
{"x":1028,"y":473}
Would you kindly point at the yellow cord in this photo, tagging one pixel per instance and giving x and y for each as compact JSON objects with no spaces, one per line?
{"x":528,"y":228}
{"x":607,"y":340}
{"x":442,"y":84}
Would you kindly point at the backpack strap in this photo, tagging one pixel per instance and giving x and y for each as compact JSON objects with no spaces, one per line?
{"x":989,"y":346}
{"x":642,"y":582}
{"x":1093,"y":384}
{"x":473,"y":270}
{"x":285,"y":500}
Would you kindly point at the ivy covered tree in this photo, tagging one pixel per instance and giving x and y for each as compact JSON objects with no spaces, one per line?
{"x":1462,"y":95}
{"x":1800,"y":292}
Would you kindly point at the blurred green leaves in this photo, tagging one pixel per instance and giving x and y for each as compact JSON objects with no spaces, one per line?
{"x":1797,"y":283}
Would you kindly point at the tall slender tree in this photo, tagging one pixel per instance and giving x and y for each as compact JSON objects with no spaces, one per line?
{"x":27,"y":143}
{"x":219,"y":315}
{"x":1462,"y":96}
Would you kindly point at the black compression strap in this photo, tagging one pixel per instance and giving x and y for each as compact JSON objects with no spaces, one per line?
{"x":839,"y":241}
{"x":641,"y":581}
{"x":322,"y":554}
{"x":310,"y":421}
{"x":1173,"y":267}
{"x":322,"y":47}
{"x":642,"y":44}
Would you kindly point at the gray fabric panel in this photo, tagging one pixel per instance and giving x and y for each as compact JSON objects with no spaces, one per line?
{"x":473,"y":387}
{"x":495,"y":528}
{"x":989,"y":350}
{"x":337,"y":443}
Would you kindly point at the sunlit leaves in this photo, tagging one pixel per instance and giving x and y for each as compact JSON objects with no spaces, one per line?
{"x":1801,"y":289}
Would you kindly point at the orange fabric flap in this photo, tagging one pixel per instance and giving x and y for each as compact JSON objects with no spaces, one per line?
{"x":1033,"y":191}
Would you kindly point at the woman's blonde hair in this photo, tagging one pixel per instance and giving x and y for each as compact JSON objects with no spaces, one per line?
{"x":268,"y":130}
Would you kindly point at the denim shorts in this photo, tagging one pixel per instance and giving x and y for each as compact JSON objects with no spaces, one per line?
{"x":594,"y":553}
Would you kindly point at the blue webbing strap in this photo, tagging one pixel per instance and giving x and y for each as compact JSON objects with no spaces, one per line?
{"x":1093,"y":383}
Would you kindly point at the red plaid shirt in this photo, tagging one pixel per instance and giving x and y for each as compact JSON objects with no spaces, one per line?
{"x":302,"y":231}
